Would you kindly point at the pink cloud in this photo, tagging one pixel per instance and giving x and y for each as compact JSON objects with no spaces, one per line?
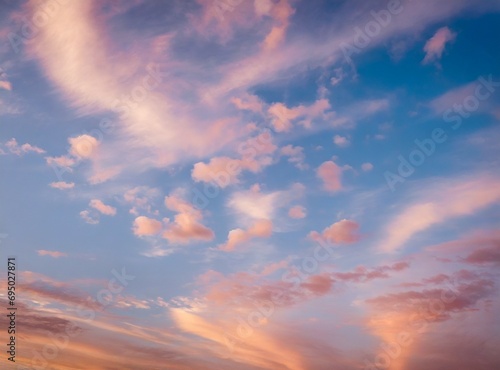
{"x":297,"y":212}
{"x":83,"y":146}
{"x":17,"y":149}
{"x":6,"y":85}
{"x":89,"y":218}
{"x":480,"y":248}
{"x":341,"y":141}
{"x":102,"y":208}
{"x":224,"y":171}
{"x":144,"y":226}
{"x":282,"y":117}
{"x":319,"y":284}
{"x":62,"y":161}
{"x":295,"y":155}
{"x":236,"y":237}
{"x":435,"y":46}
{"x":255,"y":204}
{"x":53,"y":254}
{"x":281,"y":13}
{"x":367,"y":167}
{"x":248,"y":102}
{"x":342,"y":232}
{"x":187,"y":226}
{"x":141,"y":197}
{"x":276,"y":266}
{"x":438,"y":203}
{"x":331,"y":175}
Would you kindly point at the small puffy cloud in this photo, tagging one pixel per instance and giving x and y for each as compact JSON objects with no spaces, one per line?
{"x":102,"y":208}
{"x":341,"y":141}
{"x":62,"y":161}
{"x":236,"y":237}
{"x":5,"y":85}
{"x":144,"y":226}
{"x":82,"y":146}
{"x":435,"y":46}
{"x":342,"y":232}
{"x":223,"y":171}
{"x":13,"y":146}
{"x":89,"y":218}
{"x":367,"y":166}
{"x":53,"y":254}
{"x":282,"y":117}
{"x":295,"y":155}
{"x":297,"y":212}
{"x":187,"y":226}
{"x":331,"y":175}
{"x":61,"y":185}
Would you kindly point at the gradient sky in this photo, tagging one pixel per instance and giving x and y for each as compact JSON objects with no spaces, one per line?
{"x":251,"y":184}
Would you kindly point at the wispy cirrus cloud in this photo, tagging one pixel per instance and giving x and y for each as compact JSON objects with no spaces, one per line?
{"x":443,"y":201}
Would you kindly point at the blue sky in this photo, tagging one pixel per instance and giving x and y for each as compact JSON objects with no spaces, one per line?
{"x":225,"y":152}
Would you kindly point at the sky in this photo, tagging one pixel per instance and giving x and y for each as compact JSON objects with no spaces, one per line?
{"x":250,"y":184}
